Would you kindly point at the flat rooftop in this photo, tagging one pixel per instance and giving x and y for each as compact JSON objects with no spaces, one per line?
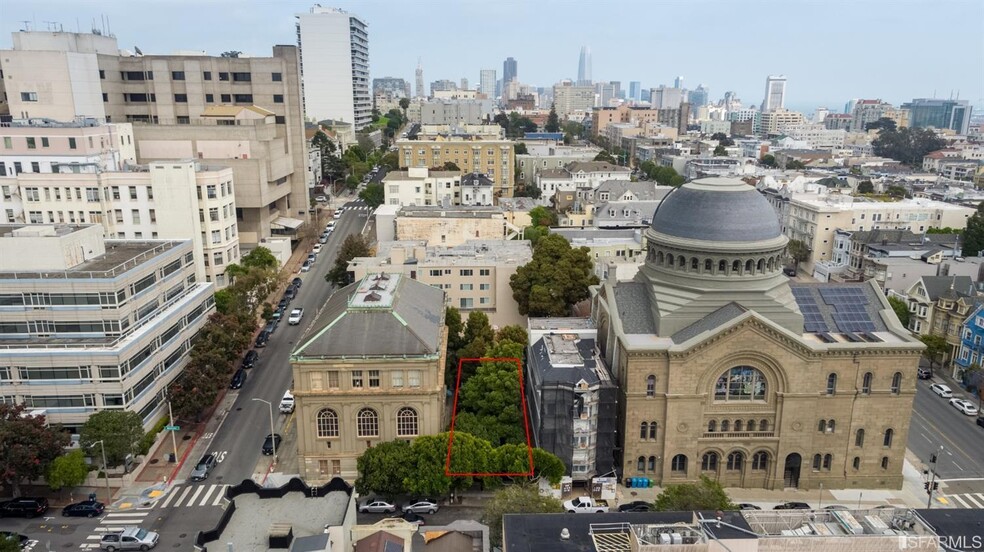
{"x":511,"y":252}
{"x":839,"y":202}
{"x":250,"y":524}
{"x":596,"y":236}
{"x":121,"y":256}
{"x":459,"y":211}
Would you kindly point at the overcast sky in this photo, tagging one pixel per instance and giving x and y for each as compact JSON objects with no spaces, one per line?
{"x":830,"y":50}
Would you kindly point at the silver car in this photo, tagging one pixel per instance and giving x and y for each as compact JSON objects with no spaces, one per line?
{"x":130,"y":538}
{"x":376,"y":506}
{"x":421,"y":506}
{"x":203,"y":467}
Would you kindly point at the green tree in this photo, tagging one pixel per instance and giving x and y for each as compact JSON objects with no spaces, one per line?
{"x":513,"y":333}
{"x":450,"y":166}
{"x":428,"y":475}
{"x":533,"y":234}
{"x":866,"y":187}
{"x":478,"y":326}
{"x":519,"y":148}
{"x":720,"y":151}
{"x":230,"y":54}
{"x":906,"y":145}
{"x":541,"y":216}
{"x":355,"y":245}
{"x":10,"y":545}
{"x":896,"y":191}
{"x":492,"y":397}
{"x":404,"y":104}
{"x":452,"y":319}
{"x":901,"y":310}
{"x":373,"y":194}
{"x":516,"y":499}
{"x":936,"y":348}
{"x":27,"y":446}
{"x":768,"y":160}
{"x":67,"y":471}
{"x":703,"y":495}
{"x":795,"y":165}
{"x":944,"y":230}
{"x":973,"y":235}
{"x":555,"y":279}
{"x":798,"y":250}
{"x":384,"y":468}
{"x":604,"y":155}
{"x":120,"y":431}
{"x":553,"y":121}
{"x":882,"y":123}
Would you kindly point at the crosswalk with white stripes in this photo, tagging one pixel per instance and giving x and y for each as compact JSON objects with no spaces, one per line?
{"x":967,"y":500}
{"x":111,"y":522}
{"x":187,"y":496}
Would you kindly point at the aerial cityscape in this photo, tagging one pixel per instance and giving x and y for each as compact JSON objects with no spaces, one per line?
{"x":442,"y":276}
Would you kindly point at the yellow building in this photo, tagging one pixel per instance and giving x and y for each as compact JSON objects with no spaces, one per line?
{"x":371,"y":372}
{"x":493,"y":157}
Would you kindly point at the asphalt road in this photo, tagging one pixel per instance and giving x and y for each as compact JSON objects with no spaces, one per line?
{"x":935,"y":423}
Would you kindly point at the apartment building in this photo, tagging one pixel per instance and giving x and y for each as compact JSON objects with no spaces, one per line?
{"x":472,"y":153}
{"x":622,"y":250}
{"x":182,"y":107}
{"x":422,"y":186}
{"x":816,"y":135}
{"x":450,"y":226}
{"x":454,"y":112}
{"x":579,"y":175}
{"x":939,"y":305}
{"x":88,"y":324}
{"x":775,"y":122}
{"x":543,"y":157}
{"x":372,"y":371}
{"x":601,"y":117}
{"x":335,"y":71}
{"x":474,"y":275}
{"x":570,"y":100}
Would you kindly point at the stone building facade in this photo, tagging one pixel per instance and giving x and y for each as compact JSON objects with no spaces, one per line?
{"x":728,"y":370}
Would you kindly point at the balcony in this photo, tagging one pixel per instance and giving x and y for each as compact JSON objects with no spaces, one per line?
{"x":739,"y":435}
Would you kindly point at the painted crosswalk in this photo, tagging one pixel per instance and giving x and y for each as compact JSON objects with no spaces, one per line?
{"x":967,"y":500}
{"x":112,"y":522}
{"x":187,"y":496}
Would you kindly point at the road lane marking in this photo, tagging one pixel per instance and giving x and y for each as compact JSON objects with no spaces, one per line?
{"x":218,"y":499}
{"x":177,"y":503}
{"x":198,"y":491}
{"x":169,"y":498}
{"x":971,"y":499}
{"x":125,"y":514}
{"x":957,"y":465}
{"x":953,"y":445}
{"x":205,"y":498}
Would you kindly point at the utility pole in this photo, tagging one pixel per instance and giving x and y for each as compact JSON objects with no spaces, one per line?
{"x":931,"y":485}
{"x":174,"y":440}
{"x":109,"y":495}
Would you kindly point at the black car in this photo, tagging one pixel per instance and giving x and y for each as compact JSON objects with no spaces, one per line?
{"x":789,"y":271}
{"x":89,"y":508}
{"x":283,"y":303}
{"x":793,"y":506}
{"x":250,"y":359}
{"x":636,"y":506}
{"x":271,"y":326}
{"x":980,"y":422}
{"x":747,"y":506}
{"x":238,"y":379}
{"x":24,"y":507}
{"x":291,"y":293}
{"x":261,"y":340}
{"x":272,"y":440}
{"x":296,"y":282}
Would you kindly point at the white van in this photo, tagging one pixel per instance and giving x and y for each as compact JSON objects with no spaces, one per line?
{"x":287,"y":403}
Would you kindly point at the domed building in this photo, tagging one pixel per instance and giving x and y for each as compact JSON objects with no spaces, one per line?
{"x":729,"y":369}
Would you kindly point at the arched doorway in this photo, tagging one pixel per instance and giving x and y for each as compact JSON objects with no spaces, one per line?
{"x":791,"y":473}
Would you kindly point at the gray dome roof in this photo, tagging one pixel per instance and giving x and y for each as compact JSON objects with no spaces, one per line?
{"x":717,"y":209}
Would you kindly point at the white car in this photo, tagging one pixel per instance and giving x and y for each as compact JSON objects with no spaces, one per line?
{"x":306,"y":267}
{"x":295,"y":316}
{"x":316,"y":249}
{"x":338,"y":214}
{"x":287,"y":403}
{"x":321,"y":199}
{"x":964,"y":406}
{"x":377,"y":506}
{"x":941,"y":390}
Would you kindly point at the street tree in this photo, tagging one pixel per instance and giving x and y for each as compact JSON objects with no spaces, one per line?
{"x":404,"y":104}
{"x":27,"y":446}
{"x":373,"y":194}
{"x":973,"y":234}
{"x":553,"y":121}
{"x":798,"y":250}
{"x":705,"y":494}
{"x":355,"y":245}
{"x":936,"y":348}
{"x":901,"y":310}
{"x":119,"y":430}
{"x":555,"y":279}
{"x":67,"y":471}
{"x":384,"y":468}
{"x":516,"y":499}
{"x":10,"y":545}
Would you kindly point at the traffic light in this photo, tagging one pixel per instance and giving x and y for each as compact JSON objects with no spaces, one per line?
{"x":932,"y":458}
{"x":926,"y":485}
{"x":936,"y":485}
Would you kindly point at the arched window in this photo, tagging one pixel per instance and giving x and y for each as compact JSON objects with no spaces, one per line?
{"x":641,"y":464}
{"x":406,"y":422}
{"x":884,"y":462}
{"x":659,"y":258}
{"x":735,"y":266}
{"x":711,"y":426}
{"x":748,"y":266}
{"x":859,"y":438}
{"x":651,"y":386}
{"x":866,"y":383}
{"x":367,"y":423}
{"x":669,"y":260}
{"x":725,"y":425}
{"x":737,"y":425}
{"x":817,"y":459}
{"x":741,"y":383}
{"x":770,"y":264}
{"x":827,"y":461}
{"x":764,"y":425}
{"x":750,"y":425}
{"x":822,"y":426}
{"x":652,"y":429}
{"x":856,"y":463}
{"x":887,"y":441}
{"x":896,"y":383}
{"x":652,"y":463}
{"x":679,"y":463}
{"x":327,"y":423}
{"x":694,"y":263}
{"x":709,"y":462}
{"x":831,"y":425}
{"x":722,"y":266}
{"x":708,"y":265}
{"x":643,"y":430}
{"x":832,"y":384}
{"x":682,"y":262}
{"x":735,"y":461}
{"x":760,"y":460}
{"x":761,"y":265}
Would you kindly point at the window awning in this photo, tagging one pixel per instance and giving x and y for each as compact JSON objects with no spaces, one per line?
{"x":287,"y":222}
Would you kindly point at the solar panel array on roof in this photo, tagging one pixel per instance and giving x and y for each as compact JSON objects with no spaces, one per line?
{"x":850,"y":306}
{"x":813,"y":321}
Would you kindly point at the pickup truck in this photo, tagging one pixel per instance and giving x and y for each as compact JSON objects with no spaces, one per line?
{"x":585,"y":505}
{"x":287,"y":403}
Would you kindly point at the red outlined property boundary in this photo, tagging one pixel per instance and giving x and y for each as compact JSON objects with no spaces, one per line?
{"x":526,"y":420}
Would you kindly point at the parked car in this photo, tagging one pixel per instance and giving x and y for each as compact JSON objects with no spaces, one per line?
{"x":789,"y":271}
{"x":250,"y":359}
{"x":412,"y":518}
{"x":941,"y":390}
{"x":262,"y":338}
{"x":24,"y":507}
{"x":330,"y":226}
{"x":290,"y":293}
{"x":837,"y":507}
{"x":306,"y":267}
{"x":295,"y":316}
{"x":793,"y":506}
{"x":980,"y":421}
{"x":130,"y":538}
{"x":421,"y":506}
{"x":296,"y":282}
{"x":964,"y":406}
{"x":376,"y":506}
{"x":271,"y":325}
{"x":238,"y":379}
{"x":337,"y":214}
{"x":924,"y":373}
{"x":204,"y":467}
{"x":272,"y":440}
{"x":88,"y":508}
{"x":316,"y":249}
{"x":312,"y":258}
{"x":321,"y":199}
{"x":287,"y":403}
{"x":747,"y":506}
{"x":323,"y":239}
{"x":636,"y":506}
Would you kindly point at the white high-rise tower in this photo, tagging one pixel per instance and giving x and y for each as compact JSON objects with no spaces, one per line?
{"x":584,"y":67}
{"x":775,"y":93}
{"x":421,"y":91}
{"x":486,"y":83}
{"x":334,"y":53}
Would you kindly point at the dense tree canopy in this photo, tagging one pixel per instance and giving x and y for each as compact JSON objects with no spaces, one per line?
{"x":553,"y":121}
{"x":936,"y":348}
{"x":373,"y":194}
{"x":664,"y":176}
{"x":355,"y":245}
{"x":120,"y":431}
{"x":67,"y":471}
{"x":516,"y":499}
{"x":907,"y":145}
{"x":555,"y":279}
{"x":798,"y":250}
{"x":901,"y":310}
{"x":684,"y":497}
{"x":973,"y":235}
{"x":27,"y":446}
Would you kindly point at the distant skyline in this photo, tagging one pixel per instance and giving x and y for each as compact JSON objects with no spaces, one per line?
{"x":830,"y":51}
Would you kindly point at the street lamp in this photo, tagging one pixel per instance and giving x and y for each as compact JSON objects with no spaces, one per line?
{"x":109,"y":495}
{"x":272,"y":439}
